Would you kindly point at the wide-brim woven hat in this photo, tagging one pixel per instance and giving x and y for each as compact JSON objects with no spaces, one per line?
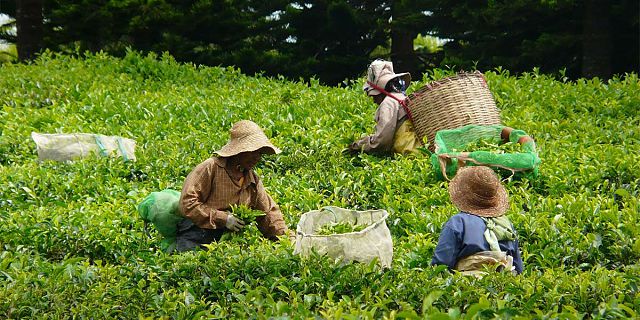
{"x":246,"y":136}
{"x":380,"y":72}
{"x":477,"y":190}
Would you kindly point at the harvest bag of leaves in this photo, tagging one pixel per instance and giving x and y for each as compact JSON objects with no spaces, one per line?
{"x":501,"y":148}
{"x":345,"y":235}
{"x":72,"y":146}
{"x":161,"y":210}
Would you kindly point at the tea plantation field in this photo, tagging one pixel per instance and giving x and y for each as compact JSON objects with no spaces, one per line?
{"x":72,"y":245}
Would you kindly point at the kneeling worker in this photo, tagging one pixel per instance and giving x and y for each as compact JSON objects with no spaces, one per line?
{"x":216,"y":184}
{"x":394,"y":130}
{"x":480,"y":234}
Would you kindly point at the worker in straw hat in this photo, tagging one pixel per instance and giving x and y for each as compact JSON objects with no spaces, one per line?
{"x":219,"y":182}
{"x":480,"y":234}
{"x":394,"y":130}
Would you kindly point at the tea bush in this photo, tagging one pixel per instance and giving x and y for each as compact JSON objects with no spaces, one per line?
{"x":72,"y":244}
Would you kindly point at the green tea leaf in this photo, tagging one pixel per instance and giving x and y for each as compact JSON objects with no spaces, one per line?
{"x":246,"y":214}
{"x":339,"y":228}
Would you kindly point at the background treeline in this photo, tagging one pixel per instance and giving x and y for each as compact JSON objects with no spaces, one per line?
{"x":333,"y":40}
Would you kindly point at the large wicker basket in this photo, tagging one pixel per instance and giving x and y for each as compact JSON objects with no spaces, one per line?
{"x":450,"y":103}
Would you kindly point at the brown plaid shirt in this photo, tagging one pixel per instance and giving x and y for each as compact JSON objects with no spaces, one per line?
{"x":209,"y":191}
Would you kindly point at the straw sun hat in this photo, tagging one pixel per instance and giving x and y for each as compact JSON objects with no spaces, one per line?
{"x":246,"y":136}
{"x":380,"y":72}
{"x":478,"y":190}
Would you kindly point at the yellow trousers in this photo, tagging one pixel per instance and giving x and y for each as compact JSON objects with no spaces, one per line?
{"x":405,"y":140}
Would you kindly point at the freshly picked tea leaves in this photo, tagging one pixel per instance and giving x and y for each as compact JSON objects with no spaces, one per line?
{"x":245,"y":213}
{"x":338,"y":228}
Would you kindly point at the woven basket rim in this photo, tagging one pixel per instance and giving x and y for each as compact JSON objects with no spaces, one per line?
{"x":433,"y":85}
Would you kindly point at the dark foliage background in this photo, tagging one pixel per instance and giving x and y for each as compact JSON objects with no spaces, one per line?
{"x":334,"y":40}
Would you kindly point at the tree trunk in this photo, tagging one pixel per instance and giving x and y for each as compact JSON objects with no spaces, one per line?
{"x":403,"y":56}
{"x":29,"y":26}
{"x":596,"y":40}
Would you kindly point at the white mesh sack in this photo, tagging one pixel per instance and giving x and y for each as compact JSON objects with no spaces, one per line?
{"x":374,"y":241}
{"x":71,"y":146}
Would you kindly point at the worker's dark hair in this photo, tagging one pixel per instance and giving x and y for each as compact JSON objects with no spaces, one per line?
{"x":396,"y":84}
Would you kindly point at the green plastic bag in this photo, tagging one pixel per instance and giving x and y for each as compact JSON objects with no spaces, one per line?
{"x":454,"y":148}
{"x":161,"y":210}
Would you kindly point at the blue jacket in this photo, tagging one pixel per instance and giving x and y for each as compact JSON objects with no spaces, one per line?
{"x":463,"y":235}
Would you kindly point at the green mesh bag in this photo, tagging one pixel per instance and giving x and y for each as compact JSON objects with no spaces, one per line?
{"x":465,"y":146}
{"x":161,"y":210}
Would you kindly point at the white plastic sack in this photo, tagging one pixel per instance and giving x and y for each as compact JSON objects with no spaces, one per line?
{"x":363,"y":246}
{"x":65,"y":147}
